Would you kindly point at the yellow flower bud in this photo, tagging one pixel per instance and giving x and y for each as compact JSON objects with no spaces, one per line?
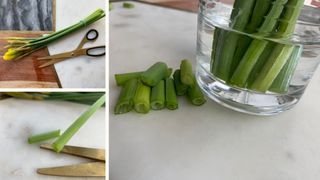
{"x":8,"y":57}
{"x":10,"y":54}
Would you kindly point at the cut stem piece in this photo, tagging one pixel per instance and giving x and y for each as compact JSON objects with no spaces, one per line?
{"x":155,"y":74}
{"x":186,"y":74}
{"x":171,"y":97}
{"x":181,"y":88}
{"x":141,"y":100}
{"x":43,"y":136}
{"x":67,"y":135}
{"x":195,"y":95}
{"x":121,"y":79}
{"x":169,"y":72}
{"x":125,"y":100}
{"x":158,"y":96}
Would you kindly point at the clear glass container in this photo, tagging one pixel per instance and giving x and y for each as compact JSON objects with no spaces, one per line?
{"x":257,"y":66}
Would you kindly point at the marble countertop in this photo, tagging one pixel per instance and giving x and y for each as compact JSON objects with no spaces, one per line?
{"x":22,"y":118}
{"x":79,"y":72}
{"x":208,"y":142}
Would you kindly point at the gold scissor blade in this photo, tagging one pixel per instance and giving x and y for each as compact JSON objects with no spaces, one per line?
{"x":91,"y":153}
{"x":94,"y":169}
{"x":59,"y":56}
{"x":51,"y":62}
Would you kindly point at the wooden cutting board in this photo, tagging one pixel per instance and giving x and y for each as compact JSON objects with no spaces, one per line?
{"x":24,"y":73}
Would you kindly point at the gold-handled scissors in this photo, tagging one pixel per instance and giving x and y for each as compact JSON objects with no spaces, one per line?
{"x":96,"y":51}
{"x":90,"y":169}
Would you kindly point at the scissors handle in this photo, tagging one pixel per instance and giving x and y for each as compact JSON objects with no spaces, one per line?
{"x":91,"y":35}
{"x":96,"y":51}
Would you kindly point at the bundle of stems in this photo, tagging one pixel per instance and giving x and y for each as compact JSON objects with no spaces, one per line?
{"x":256,"y":63}
{"x":77,"y":97}
{"x":18,"y":48}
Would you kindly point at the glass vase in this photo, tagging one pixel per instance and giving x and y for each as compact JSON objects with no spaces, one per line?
{"x":257,"y":59}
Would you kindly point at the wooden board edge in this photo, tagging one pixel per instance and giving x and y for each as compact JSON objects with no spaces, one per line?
{"x":27,"y":84}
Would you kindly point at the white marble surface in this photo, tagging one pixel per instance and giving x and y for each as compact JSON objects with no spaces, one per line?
{"x":208,"y":142}
{"x":79,"y":72}
{"x":22,"y":118}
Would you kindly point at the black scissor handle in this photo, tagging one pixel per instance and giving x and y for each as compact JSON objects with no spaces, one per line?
{"x":92,"y":34}
{"x":96,"y":51}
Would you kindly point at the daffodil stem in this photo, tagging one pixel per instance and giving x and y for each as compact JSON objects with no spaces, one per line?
{"x":43,"y":136}
{"x":24,"y":47}
{"x":171,"y":96}
{"x":67,"y":135}
{"x":125,"y":100}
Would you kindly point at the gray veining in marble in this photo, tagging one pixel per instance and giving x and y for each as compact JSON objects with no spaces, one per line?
{"x":31,"y":15}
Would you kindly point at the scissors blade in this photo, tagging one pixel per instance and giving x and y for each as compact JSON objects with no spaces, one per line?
{"x":94,"y":169}
{"x":59,"y":56}
{"x":54,"y":61}
{"x":91,"y":153}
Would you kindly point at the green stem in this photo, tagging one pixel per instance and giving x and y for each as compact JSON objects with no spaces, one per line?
{"x":158,"y":96}
{"x":25,"y":95}
{"x":256,"y":48}
{"x":181,"y":88}
{"x":121,"y":79}
{"x":282,"y":82}
{"x":171,"y":97}
{"x":270,"y":71}
{"x":125,"y":100}
{"x":248,"y":62}
{"x":155,"y":74}
{"x":67,"y":135}
{"x":127,"y":5}
{"x":169,"y":72}
{"x":216,"y":36}
{"x":289,"y":18}
{"x":141,"y":100}
{"x":74,"y":96}
{"x":260,"y":10}
{"x":98,"y":14}
{"x":43,"y":136}
{"x":260,"y":64}
{"x":272,"y":18}
{"x":224,"y":55}
{"x":195,"y":95}
{"x":186,"y":74}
